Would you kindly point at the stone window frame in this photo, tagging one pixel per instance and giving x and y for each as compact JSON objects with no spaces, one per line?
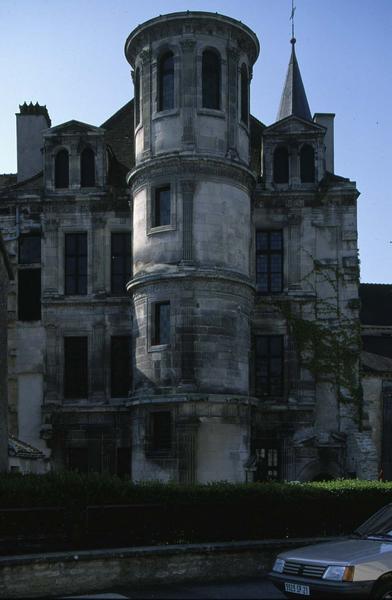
{"x":149,"y":450}
{"x":71,"y":332}
{"x":151,"y":347}
{"x":212,"y":112}
{"x":61,"y":260}
{"x":160,"y":51}
{"x":151,"y":189}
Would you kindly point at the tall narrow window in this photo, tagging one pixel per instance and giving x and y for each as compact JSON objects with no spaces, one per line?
{"x":137,"y":97}
{"x":75,"y":367}
{"x":281,"y":165}
{"x":161,"y":325}
{"x":269,"y":262}
{"x":307,"y":164}
{"x":121,"y":262}
{"x":120,"y":359}
{"x":166,"y":82}
{"x":87,"y":168}
{"x":161,"y":208}
{"x":269,"y":365}
{"x":244,"y":95}
{"x":76,"y":263}
{"x":29,"y":294}
{"x":161,"y":431}
{"x":211,"y":79}
{"x":61,"y":169}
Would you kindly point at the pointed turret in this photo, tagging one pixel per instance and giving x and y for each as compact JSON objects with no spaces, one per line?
{"x":294,"y":101}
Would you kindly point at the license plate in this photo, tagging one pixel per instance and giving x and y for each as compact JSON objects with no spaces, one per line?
{"x":295,"y":588}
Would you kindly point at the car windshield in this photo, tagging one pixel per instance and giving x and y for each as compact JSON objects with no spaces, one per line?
{"x":379,"y":524}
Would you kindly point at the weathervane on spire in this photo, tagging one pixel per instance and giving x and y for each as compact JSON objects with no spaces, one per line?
{"x":293,"y":9}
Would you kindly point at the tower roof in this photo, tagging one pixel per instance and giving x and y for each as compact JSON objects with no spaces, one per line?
{"x":293,"y":100}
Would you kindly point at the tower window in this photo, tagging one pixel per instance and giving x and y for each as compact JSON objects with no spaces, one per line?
{"x":281,"y":165}
{"x":161,"y":208}
{"x":76,"y":263}
{"x":161,"y":324}
{"x":307,"y":164}
{"x":166,"y":82}
{"x":121,"y":267}
{"x":160,"y":431}
{"x":61,"y":169}
{"x":137,"y":97}
{"x":120,"y":358}
{"x":211,"y":79}
{"x":244,"y":95}
{"x":75,"y":367}
{"x":29,"y":294}
{"x":269,"y":365}
{"x":87,"y":168}
{"x":269,"y":262}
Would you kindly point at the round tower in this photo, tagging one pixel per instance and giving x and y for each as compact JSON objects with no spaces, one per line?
{"x":192,"y":290}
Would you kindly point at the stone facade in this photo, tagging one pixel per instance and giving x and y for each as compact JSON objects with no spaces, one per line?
{"x":196,"y":307}
{"x":6,"y":274}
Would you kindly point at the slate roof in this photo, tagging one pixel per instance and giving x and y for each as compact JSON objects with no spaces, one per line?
{"x":293,"y":100}
{"x":374,"y":362}
{"x":376,"y":304}
{"x":21,"y":449}
{"x":119,"y":135}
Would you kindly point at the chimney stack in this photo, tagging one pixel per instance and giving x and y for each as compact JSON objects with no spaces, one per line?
{"x":31,"y":121}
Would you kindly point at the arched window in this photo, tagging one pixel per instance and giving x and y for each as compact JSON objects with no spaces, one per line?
{"x":166,"y":81}
{"x":244,"y":95}
{"x":281,"y":165}
{"x":61,"y":169}
{"x":307,"y":164}
{"x":211,"y":79}
{"x":87,"y":168}
{"x":137,"y":97}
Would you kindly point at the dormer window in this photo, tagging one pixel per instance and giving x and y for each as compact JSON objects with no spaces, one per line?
{"x":61,"y":169}
{"x":166,"y":82}
{"x":87,"y":168}
{"x":281,"y":165}
{"x":211,"y":79}
{"x":307,"y":164}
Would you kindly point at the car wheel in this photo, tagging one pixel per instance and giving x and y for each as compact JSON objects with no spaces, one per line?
{"x":383,"y":591}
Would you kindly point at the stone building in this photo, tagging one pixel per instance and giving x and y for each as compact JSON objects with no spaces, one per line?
{"x":187,"y":278}
{"x":6,"y":275}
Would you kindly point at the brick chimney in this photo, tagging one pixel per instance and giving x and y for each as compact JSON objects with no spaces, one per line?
{"x":30,"y":123}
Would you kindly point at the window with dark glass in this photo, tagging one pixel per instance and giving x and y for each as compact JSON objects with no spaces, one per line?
{"x":77,"y":458}
{"x":29,"y":249}
{"x":120,"y":361}
{"x":75,"y":367}
{"x":87,"y":168}
{"x":137,"y":97}
{"x":161,"y":325}
{"x":269,"y":365}
{"x":121,"y":262}
{"x":211,"y":79}
{"x":269,"y":262}
{"x":29,"y":294}
{"x":307,"y":164}
{"x":244,"y":95}
{"x":162,"y":206}
{"x":267,"y":462}
{"x":161,"y":431}
{"x":281,"y":165}
{"x":76,"y":263}
{"x":166,"y":82}
{"x":61,"y":169}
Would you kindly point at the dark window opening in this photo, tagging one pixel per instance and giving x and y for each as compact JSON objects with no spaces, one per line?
{"x":29,"y":249}
{"x":161,"y":431}
{"x":307,"y":164}
{"x":75,"y":367}
{"x":166,"y":82}
{"x":281,"y":165}
{"x":87,"y":168}
{"x":124,"y":462}
{"x":120,"y":360}
{"x":76,"y":264}
{"x":269,"y":365}
{"x":29,"y":294}
{"x":267,"y":462}
{"x":121,"y":262}
{"x":269,"y":262}
{"x":211,"y":79}
{"x":244,"y":95}
{"x":61,"y":169}
{"x":137,"y":97}
{"x":161,"y":327}
{"x":161,"y":209}
{"x":78,"y":459}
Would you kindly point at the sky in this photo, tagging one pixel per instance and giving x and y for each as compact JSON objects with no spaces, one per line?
{"x":69,"y":55}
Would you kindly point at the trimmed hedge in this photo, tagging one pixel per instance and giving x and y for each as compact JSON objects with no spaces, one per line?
{"x":97,"y":510}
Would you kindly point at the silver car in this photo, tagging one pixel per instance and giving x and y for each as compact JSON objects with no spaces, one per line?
{"x":356,"y":567}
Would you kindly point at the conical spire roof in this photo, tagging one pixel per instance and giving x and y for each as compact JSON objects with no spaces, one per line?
{"x":294,"y":101}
